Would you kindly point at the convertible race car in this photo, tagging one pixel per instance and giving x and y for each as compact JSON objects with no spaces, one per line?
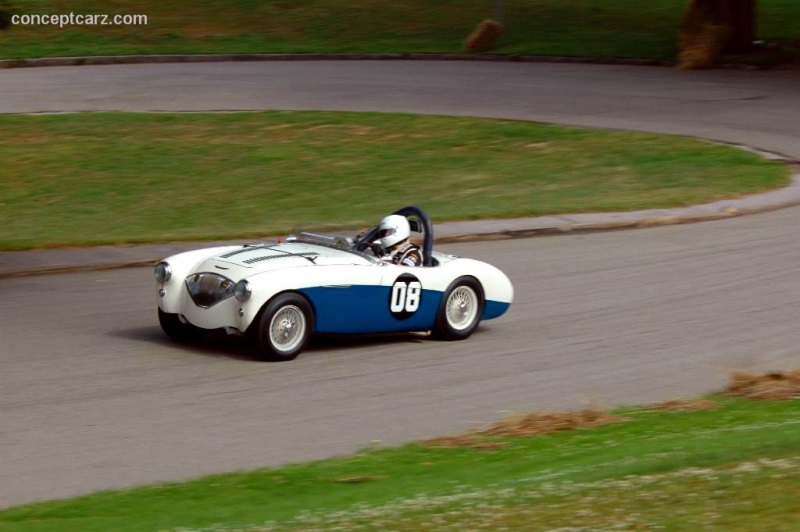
{"x":280,"y":294}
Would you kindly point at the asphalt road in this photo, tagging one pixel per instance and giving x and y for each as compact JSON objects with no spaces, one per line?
{"x":92,"y":396}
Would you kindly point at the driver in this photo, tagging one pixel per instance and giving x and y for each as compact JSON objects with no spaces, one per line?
{"x":393,"y":233}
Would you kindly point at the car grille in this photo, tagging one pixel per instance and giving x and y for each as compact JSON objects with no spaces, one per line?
{"x":208,"y":289}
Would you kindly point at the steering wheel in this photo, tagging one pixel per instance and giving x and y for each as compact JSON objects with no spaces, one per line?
{"x":365,"y":241}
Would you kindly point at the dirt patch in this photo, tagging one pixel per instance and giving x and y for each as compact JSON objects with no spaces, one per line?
{"x":684,"y":405}
{"x":548,"y":422}
{"x":772,"y":386}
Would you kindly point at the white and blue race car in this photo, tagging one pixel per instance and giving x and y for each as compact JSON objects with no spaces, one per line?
{"x":282,"y":293}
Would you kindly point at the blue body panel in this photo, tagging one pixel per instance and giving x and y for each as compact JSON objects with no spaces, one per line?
{"x":422,"y":320}
{"x":359,"y":309}
{"x":365,"y":309}
{"x":494,"y":309}
{"x":343,"y":310}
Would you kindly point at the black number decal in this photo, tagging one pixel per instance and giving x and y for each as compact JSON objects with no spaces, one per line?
{"x":405,"y":296}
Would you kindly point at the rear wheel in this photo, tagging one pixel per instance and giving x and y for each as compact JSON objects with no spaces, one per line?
{"x":178,"y":328}
{"x":284,"y":327}
{"x":461,"y":310}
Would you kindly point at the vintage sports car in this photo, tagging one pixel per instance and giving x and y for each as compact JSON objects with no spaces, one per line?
{"x":282,"y":293}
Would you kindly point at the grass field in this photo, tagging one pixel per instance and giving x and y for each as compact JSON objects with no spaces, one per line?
{"x":105,"y":178}
{"x":730,"y":468}
{"x":594,"y":28}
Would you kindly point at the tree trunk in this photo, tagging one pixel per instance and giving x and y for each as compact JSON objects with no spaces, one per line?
{"x":740,"y":17}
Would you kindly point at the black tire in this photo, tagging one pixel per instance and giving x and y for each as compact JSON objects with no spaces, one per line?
{"x":289,"y":315}
{"x":463,"y":299}
{"x":178,"y":330}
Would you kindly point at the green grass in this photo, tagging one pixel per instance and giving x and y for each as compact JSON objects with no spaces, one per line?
{"x":734,"y":468}
{"x":84,"y":179}
{"x":595,"y":28}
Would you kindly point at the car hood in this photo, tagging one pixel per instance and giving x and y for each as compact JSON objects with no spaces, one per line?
{"x":250,"y":260}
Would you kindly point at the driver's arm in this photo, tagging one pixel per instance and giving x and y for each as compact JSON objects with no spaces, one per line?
{"x":412,"y":258}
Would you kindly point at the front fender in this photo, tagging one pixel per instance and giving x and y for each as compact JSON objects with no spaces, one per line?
{"x":264,"y":287}
{"x":182,"y":264}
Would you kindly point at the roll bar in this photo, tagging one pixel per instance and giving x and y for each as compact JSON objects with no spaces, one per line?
{"x":412,"y":212}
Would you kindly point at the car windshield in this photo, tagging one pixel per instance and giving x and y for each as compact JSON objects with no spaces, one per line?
{"x":321,"y":235}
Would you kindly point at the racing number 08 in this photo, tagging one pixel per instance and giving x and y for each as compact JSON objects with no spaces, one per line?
{"x":405,"y":297}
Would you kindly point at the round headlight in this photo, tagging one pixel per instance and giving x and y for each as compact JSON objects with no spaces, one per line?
{"x":162,"y":272}
{"x":242,"y":290}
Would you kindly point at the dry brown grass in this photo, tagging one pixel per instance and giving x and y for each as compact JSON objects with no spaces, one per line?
{"x":548,"y":422}
{"x":684,"y":405}
{"x":484,"y":37}
{"x":528,"y":425}
{"x":463,"y":440}
{"x":772,"y":386}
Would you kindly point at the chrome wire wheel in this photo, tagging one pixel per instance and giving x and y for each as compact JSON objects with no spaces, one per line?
{"x":287,"y":330}
{"x":461,"y":308}
{"x":283,"y":327}
{"x":460,"y":311}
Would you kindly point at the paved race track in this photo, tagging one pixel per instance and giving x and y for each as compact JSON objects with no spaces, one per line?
{"x":92,"y":396}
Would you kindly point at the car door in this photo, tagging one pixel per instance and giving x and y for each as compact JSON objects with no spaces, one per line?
{"x":344,"y":297}
{"x":406,"y":302}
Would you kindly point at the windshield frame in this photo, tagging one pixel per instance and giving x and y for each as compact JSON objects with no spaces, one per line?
{"x":337,"y":242}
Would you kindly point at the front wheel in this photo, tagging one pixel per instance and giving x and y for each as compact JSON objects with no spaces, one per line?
{"x":284,"y":327}
{"x":461,"y":310}
{"x":178,"y":328}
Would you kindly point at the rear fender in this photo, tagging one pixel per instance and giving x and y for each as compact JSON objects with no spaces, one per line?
{"x":497,"y":287}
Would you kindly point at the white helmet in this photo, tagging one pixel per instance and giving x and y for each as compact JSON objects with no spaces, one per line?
{"x":393,"y":229}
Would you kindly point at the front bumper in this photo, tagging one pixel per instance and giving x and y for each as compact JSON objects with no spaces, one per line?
{"x":177,"y":300}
